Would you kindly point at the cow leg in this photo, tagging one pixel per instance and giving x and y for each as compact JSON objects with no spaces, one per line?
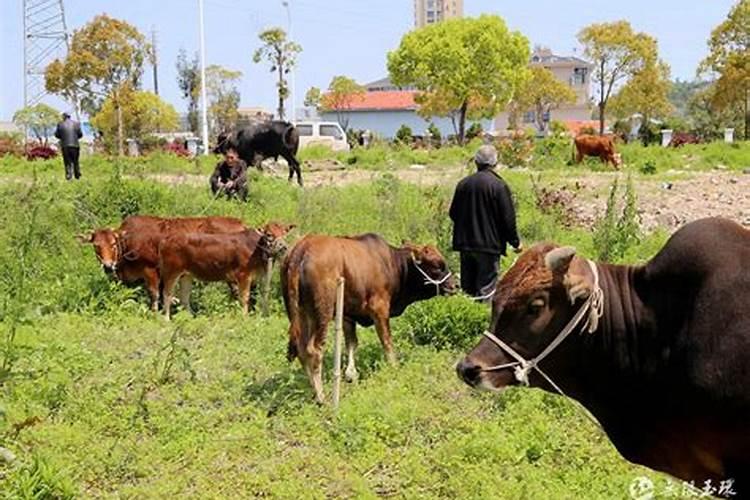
{"x":151,"y":277}
{"x":169,"y":284}
{"x":380,"y":315}
{"x":243,"y":284}
{"x":186,"y":286}
{"x":294,"y":167}
{"x":350,"y":333}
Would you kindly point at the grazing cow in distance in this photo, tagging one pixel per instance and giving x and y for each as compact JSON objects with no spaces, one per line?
{"x":380,"y":282}
{"x":659,"y":353}
{"x":131,"y":252}
{"x":682,"y":138}
{"x":600,"y":146}
{"x":264,"y":140}
{"x":236,"y":258}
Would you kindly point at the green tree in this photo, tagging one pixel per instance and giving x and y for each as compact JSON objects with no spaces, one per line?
{"x":617,"y":53}
{"x":189,"y":82}
{"x":729,"y":60}
{"x":223,"y":97}
{"x":313,"y":97}
{"x":681,"y":92}
{"x":709,"y":120}
{"x":142,"y":114}
{"x":342,"y":93}
{"x":469,"y":67}
{"x":542,"y":93}
{"x":647,"y":93}
{"x":106,"y":57}
{"x":40,"y":119}
{"x":281,"y":53}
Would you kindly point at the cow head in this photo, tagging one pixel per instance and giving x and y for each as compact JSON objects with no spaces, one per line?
{"x":272,"y":237}
{"x":534,"y":302}
{"x":107,"y":246}
{"x":222,"y":143}
{"x":431,"y":270}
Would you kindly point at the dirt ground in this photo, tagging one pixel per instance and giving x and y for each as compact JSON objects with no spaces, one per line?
{"x":668,"y":204}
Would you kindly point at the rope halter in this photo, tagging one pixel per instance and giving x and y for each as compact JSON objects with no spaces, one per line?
{"x":429,"y":280}
{"x":589,"y":313}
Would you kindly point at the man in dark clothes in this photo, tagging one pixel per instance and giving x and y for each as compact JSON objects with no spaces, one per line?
{"x":484,"y":222}
{"x":69,"y":131}
{"x":230,"y":176}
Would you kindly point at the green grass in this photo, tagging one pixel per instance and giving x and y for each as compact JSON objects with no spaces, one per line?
{"x":100,"y":398}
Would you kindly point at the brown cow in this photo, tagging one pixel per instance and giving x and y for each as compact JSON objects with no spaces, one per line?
{"x":380,"y":282}
{"x":658,"y":353}
{"x":131,"y":252}
{"x":595,"y":145}
{"x":235,"y":258}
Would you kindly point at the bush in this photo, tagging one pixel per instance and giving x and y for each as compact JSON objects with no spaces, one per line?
{"x":404,"y":134}
{"x":475,"y":130}
{"x":445,"y":322}
{"x":11,"y":144}
{"x":177,"y":148}
{"x":435,"y":135}
{"x":587,"y":130}
{"x":616,"y":233}
{"x":516,"y":150}
{"x":41,"y":153}
{"x":558,"y":128}
{"x":648,"y":168}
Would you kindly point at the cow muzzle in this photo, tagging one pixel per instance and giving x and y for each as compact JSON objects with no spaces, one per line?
{"x":109,"y":268}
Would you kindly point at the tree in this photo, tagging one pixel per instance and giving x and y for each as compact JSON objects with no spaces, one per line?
{"x":106,"y":57}
{"x":681,"y":93}
{"x":468,"y":67}
{"x":313,"y":97}
{"x":709,"y":120}
{"x":729,"y":60}
{"x":342,"y":93}
{"x":40,"y":119}
{"x":142,"y":114}
{"x":646,"y":93}
{"x":223,"y":97}
{"x":282,"y":55}
{"x":542,"y":92}
{"x":189,"y":81}
{"x":617,"y":53}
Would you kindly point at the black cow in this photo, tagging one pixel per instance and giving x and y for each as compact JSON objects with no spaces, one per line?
{"x":264,"y":140}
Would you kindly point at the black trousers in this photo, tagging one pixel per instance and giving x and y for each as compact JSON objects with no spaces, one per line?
{"x":70,"y":159}
{"x":479,"y":273}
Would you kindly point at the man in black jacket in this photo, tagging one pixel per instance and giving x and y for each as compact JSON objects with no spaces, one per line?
{"x":69,"y":131}
{"x":230,"y":176}
{"x":484,"y":223}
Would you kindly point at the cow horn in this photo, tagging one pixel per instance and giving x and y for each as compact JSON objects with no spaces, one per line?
{"x":558,"y":260}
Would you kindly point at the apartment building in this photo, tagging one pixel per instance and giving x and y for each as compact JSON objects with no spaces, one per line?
{"x":433,"y":11}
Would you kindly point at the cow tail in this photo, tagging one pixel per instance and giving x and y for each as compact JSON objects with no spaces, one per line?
{"x":290,"y":278}
{"x":291,"y":139}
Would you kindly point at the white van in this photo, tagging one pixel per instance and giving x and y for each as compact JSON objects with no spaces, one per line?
{"x":326,"y":133}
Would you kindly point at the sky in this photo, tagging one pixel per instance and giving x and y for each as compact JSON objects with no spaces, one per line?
{"x":348,"y":37}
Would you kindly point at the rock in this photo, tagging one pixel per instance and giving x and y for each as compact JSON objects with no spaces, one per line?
{"x":746,"y":171}
{"x":417,"y":167}
{"x":721,"y":167}
{"x":7,"y":456}
{"x":666,"y":185}
{"x":733,"y":180}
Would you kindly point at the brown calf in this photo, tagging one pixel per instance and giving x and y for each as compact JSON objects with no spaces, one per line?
{"x":600,"y":146}
{"x":131,"y":252}
{"x":380,"y":282}
{"x":236,"y":258}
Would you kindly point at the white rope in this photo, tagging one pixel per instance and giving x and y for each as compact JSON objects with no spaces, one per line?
{"x":593,"y":307}
{"x":429,"y":280}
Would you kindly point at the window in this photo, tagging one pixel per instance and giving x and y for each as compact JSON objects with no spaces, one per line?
{"x":579,"y":76}
{"x":529,"y":117}
{"x":304,"y":130}
{"x":331,"y":131}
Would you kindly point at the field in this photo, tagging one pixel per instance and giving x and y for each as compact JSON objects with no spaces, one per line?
{"x":100,"y":398}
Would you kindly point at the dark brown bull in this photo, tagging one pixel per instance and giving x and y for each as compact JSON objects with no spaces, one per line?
{"x":380,"y":282}
{"x":236,"y":258}
{"x":602,"y":147}
{"x":131,"y":252}
{"x":665,"y":367}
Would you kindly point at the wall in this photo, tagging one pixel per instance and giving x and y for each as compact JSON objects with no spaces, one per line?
{"x":386,"y":123}
{"x":574,"y":113}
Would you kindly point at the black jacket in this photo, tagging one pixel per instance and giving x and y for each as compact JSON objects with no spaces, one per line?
{"x":68,"y":131}
{"x":484,"y":219}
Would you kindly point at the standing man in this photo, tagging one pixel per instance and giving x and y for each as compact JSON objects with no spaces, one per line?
{"x":484,"y":222}
{"x":69,"y":131}
{"x":230,"y":176}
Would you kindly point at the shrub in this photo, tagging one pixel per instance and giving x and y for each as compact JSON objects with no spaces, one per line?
{"x":11,"y":144}
{"x":453,"y":323}
{"x":475,"y":130}
{"x":177,"y":148}
{"x":587,"y":130}
{"x":618,"y":230}
{"x":404,"y":134}
{"x":558,"y":128}
{"x":436,"y":136}
{"x":648,"y":167}
{"x":41,"y":153}
{"x":516,"y":150}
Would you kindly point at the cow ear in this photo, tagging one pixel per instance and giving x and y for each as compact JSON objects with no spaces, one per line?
{"x":84,"y":238}
{"x":558,"y":260}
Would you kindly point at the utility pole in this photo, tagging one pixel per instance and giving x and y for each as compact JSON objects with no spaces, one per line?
{"x":45,"y":38}
{"x":204,"y":99}
{"x":156,"y":60}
